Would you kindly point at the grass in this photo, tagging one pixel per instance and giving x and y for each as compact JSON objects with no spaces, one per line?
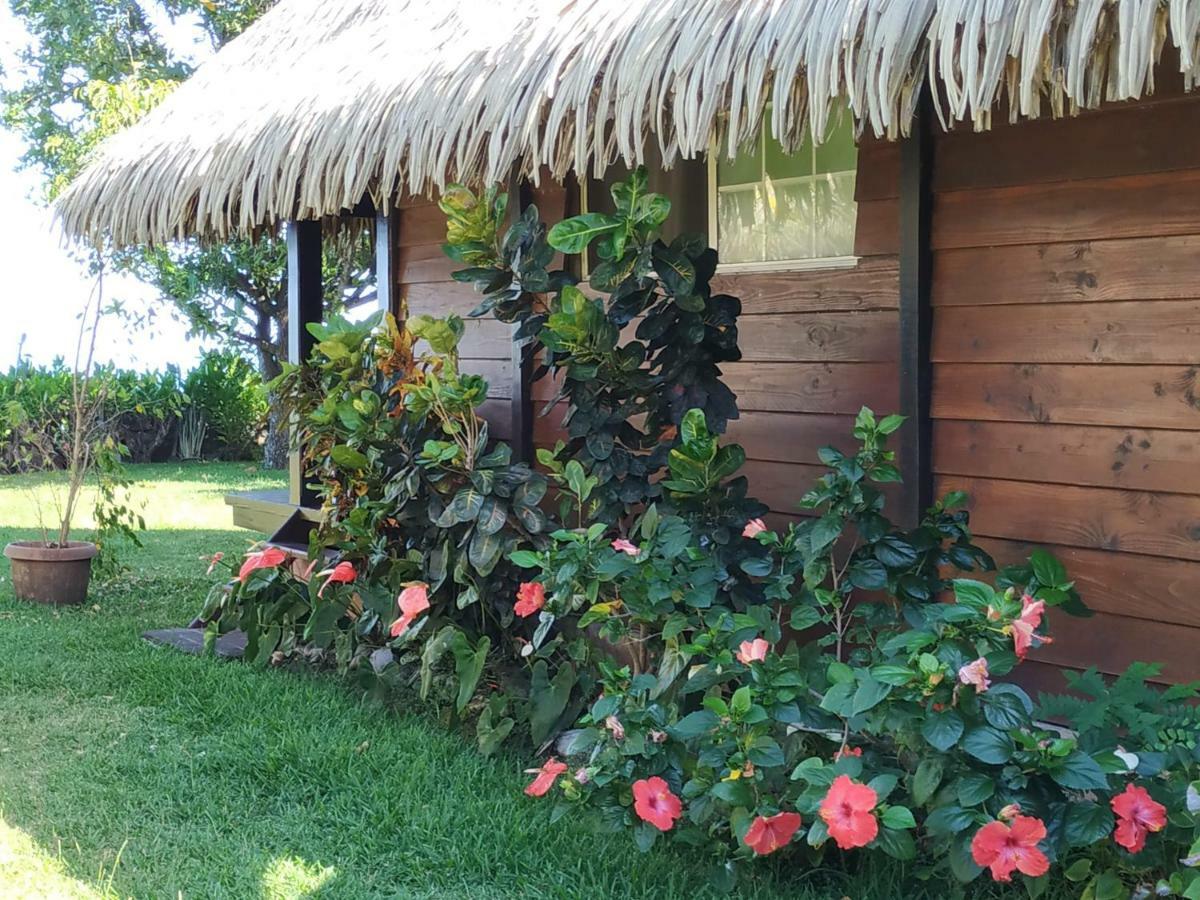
{"x":133,"y":771}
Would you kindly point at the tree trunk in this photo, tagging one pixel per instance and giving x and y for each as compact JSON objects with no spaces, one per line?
{"x":275,"y":447}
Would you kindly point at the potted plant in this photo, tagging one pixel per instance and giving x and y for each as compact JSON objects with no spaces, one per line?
{"x":57,"y":569}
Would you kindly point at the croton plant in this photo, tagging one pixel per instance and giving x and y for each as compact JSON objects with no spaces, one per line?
{"x":678,"y":667}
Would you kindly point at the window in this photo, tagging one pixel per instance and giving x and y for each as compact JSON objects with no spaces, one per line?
{"x":771,"y":209}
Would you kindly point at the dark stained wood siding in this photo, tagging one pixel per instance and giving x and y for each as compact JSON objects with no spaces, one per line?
{"x":1066,"y":352}
{"x":816,"y":346}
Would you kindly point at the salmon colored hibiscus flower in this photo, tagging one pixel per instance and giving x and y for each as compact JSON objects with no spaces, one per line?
{"x":545,"y":778}
{"x":768,"y":833}
{"x":1137,"y":815}
{"x":263,"y":559}
{"x":1025,"y":626}
{"x":623,"y":546}
{"x":531,"y":596}
{"x":413,"y":601}
{"x":752,"y":651}
{"x":846,"y":811}
{"x":754,"y":528}
{"x":1006,"y":849}
{"x":976,"y":674}
{"x":342,"y":573}
{"x":654,"y":803}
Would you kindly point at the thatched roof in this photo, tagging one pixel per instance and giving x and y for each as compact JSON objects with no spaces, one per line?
{"x":324,"y":101}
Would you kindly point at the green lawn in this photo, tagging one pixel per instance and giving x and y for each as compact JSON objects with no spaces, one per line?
{"x":132,"y":771}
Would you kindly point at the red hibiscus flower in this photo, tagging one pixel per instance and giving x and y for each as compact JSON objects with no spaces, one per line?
{"x":413,"y":601}
{"x":654,"y":803}
{"x":1137,"y":815}
{"x":768,"y":833}
{"x":342,"y":573}
{"x":752,"y":651}
{"x":846,"y":811}
{"x":545,"y":778}
{"x":531,"y":596}
{"x":1006,"y":849}
{"x":754,"y":528}
{"x":623,"y":546}
{"x":263,"y":559}
{"x":1024,"y":628}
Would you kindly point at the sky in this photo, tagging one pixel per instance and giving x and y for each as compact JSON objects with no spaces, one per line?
{"x":42,"y":287}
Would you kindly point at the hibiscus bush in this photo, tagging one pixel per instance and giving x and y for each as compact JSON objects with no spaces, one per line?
{"x":885,"y":730}
{"x":679,"y":668}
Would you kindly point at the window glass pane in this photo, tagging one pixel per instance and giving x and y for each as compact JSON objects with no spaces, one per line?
{"x":835,"y":213}
{"x":837,"y":153}
{"x":774,"y":206}
{"x":741,"y":223}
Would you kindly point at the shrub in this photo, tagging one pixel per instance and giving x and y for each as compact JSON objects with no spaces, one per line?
{"x":229,"y":393}
{"x":736,"y":688}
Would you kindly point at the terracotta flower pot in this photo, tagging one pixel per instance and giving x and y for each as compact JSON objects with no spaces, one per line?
{"x":54,"y":575}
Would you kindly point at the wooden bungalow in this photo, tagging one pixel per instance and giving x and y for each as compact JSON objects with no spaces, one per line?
{"x":998,"y":232}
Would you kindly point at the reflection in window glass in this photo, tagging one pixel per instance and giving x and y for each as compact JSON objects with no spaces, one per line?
{"x":774,"y":206}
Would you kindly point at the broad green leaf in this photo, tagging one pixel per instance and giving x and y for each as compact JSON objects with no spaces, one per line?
{"x":926,"y":780}
{"x":1087,"y":822}
{"x":346,"y":457}
{"x":942,"y":729}
{"x":548,"y":698}
{"x":1080,"y":772}
{"x":989,"y":745}
{"x":574,"y":234}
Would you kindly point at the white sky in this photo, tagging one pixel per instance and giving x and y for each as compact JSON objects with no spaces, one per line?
{"x":42,"y":289}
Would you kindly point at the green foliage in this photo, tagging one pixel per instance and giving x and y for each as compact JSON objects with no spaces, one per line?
{"x":626,"y":398}
{"x":229,"y":393}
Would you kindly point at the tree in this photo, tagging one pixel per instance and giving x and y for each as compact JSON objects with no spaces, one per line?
{"x":97,"y":66}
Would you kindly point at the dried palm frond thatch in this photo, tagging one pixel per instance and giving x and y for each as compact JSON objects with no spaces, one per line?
{"x":321,"y":103}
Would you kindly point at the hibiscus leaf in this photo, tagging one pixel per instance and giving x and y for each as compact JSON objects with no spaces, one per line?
{"x":644,"y":835}
{"x":1087,"y":823}
{"x":989,"y":745}
{"x":926,"y":780}
{"x":948,"y":820}
{"x":694,"y":724}
{"x":1079,"y":772}
{"x":870,"y":694}
{"x":973,"y":788}
{"x":942,"y":729}
{"x":898,"y":817}
{"x":765,"y":751}
{"x":896,"y":843}
{"x":1005,"y":710}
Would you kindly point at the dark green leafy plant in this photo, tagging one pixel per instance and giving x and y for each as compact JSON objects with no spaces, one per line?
{"x":626,"y":395}
{"x":228,"y":392}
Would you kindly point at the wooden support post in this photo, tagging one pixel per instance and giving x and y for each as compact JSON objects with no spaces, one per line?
{"x":916,"y":315}
{"x":387,"y":261}
{"x":305,"y":305}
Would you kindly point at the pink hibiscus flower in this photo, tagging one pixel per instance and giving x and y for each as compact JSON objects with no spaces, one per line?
{"x":768,"y":833}
{"x":654,"y":803}
{"x":752,"y":651}
{"x":847,"y":813}
{"x":976,"y":674}
{"x":1025,"y":626}
{"x":1006,"y":849}
{"x":623,"y":546}
{"x":1137,"y":815}
{"x":754,"y":528}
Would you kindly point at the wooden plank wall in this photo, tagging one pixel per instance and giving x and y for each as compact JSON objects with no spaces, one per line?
{"x":816,"y":346}
{"x":1066,"y":351}
{"x":424,"y":280}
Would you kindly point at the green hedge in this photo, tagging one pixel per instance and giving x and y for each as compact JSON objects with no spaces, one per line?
{"x":142,"y":410}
